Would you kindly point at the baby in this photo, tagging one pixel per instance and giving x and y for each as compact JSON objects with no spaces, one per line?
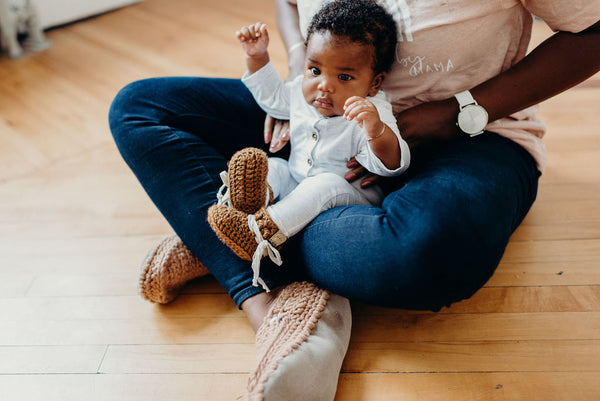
{"x":336,"y":112}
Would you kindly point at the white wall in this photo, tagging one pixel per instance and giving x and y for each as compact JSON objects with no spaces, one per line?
{"x":57,"y":12}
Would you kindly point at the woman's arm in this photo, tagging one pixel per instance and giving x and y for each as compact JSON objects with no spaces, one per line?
{"x":289,"y":29}
{"x":559,"y":63}
{"x":277,"y":132}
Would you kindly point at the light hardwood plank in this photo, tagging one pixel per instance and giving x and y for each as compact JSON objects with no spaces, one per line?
{"x":520,"y":386}
{"x":51,"y":359}
{"x":411,"y":387}
{"x":531,"y":299}
{"x":552,"y":251}
{"x":511,"y":300}
{"x":208,"y":304}
{"x":146,"y":387}
{"x":180,"y":359}
{"x":478,"y":327}
{"x":488,"y":356}
{"x":371,"y":357}
{"x":164,"y":328}
{"x":205,"y":299}
{"x":75,"y":225}
{"x":546,"y":273}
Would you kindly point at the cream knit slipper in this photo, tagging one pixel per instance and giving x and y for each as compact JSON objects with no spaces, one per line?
{"x":166,"y":268}
{"x":301,"y":346}
{"x":245,"y":185}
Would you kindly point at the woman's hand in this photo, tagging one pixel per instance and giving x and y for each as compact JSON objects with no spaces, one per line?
{"x":277,"y":132}
{"x":357,"y":171}
{"x":428,"y":123}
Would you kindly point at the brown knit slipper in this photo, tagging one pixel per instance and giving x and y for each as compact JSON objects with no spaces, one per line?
{"x":247,"y":175}
{"x":166,"y":268}
{"x":301,"y":346}
{"x":232,"y":227}
{"x":249,"y":236}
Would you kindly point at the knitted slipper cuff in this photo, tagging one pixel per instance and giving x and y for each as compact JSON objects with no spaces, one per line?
{"x":224,"y":195}
{"x":168,"y":266}
{"x":247,"y":180}
{"x":303,"y":339}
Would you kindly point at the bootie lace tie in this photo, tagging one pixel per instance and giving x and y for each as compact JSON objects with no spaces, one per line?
{"x":223,"y":192}
{"x":223,"y":195}
{"x":264,"y":247}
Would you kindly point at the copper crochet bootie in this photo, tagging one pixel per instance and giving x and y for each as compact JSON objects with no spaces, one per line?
{"x":249,"y":236}
{"x":301,"y":346}
{"x":245,"y":183}
{"x":166,"y":268}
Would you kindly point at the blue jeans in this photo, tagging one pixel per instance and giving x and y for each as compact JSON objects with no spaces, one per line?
{"x":437,"y":238}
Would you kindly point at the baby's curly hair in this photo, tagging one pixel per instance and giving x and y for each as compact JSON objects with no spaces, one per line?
{"x":360,"y":21}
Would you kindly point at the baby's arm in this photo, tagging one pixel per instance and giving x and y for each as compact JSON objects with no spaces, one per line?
{"x":382,"y":140}
{"x":255,"y":40}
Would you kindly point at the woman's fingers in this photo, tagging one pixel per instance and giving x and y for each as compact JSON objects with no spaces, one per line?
{"x":357,"y":171}
{"x":269,"y":125}
{"x":277,"y":132}
{"x":281,"y":135}
{"x":369,"y":180}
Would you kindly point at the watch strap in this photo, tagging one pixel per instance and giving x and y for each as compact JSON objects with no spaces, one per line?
{"x":464,"y":99}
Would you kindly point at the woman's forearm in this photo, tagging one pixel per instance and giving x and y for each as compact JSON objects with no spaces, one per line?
{"x":562,"y":61}
{"x":289,"y":29}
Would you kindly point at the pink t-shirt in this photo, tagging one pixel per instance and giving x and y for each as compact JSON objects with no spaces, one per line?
{"x":447,"y":46}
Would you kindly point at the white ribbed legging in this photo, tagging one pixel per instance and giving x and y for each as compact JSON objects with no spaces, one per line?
{"x":298,"y":203}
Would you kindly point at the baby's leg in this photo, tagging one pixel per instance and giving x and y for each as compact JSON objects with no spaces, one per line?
{"x":251,"y":235}
{"x":279,"y":178}
{"x":310,"y":198}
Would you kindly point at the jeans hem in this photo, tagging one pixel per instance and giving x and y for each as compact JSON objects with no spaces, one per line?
{"x":246,"y":293}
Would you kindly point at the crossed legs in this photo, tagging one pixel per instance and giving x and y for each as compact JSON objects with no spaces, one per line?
{"x":437,"y":238}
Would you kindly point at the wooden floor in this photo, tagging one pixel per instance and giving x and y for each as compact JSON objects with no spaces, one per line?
{"x":75,"y":224}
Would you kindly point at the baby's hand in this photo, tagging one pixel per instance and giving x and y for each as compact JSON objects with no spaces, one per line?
{"x":254,"y":39}
{"x":365,"y":113}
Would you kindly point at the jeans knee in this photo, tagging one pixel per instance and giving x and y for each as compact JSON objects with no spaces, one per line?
{"x":121,"y":103}
{"x":124,"y":112}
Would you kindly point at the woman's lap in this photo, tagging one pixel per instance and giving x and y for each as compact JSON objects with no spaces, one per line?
{"x":435,"y":240}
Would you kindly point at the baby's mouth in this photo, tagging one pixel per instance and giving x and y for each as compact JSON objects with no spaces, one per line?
{"x":323,"y":103}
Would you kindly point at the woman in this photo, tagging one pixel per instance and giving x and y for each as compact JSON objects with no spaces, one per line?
{"x":464,"y":93}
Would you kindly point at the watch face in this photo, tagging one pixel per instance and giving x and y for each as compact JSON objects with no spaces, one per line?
{"x":472,"y":119}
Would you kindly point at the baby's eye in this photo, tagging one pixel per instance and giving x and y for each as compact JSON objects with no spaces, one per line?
{"x":344,"y":77}
{"x":315,"y":71}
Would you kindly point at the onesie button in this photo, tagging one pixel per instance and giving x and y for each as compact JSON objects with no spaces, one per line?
{"x":315,"y":136}
{"x":309,"y":161}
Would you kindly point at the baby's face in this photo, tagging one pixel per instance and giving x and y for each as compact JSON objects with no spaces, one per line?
{"x":336,"y":69}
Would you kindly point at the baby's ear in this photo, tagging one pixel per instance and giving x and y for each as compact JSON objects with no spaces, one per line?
{"x":376,"y":83}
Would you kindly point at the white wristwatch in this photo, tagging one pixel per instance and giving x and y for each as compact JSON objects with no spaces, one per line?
{"x":472,"y":118}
